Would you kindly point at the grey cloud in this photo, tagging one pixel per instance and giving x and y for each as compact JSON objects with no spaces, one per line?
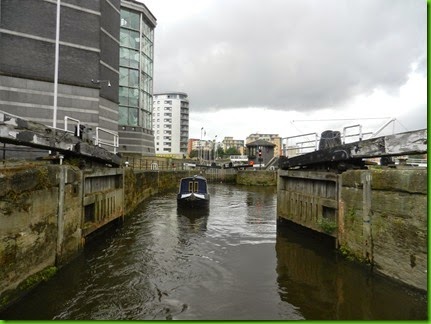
{"x":413,"y":119}
{"x":291,"y":54}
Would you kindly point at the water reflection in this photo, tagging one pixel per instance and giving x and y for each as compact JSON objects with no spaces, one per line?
{"x":192,"y":223}
{"x":260,"y":202}
{"x":324,"y":286}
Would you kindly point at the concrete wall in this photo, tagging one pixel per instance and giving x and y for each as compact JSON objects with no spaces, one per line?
{"x":32,"y":199}
{"x":139,"y":185}
{"x":257,"y":178}
{"x":383,"y":221}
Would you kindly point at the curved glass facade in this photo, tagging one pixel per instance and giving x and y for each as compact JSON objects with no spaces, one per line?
{"x":136,"y":70}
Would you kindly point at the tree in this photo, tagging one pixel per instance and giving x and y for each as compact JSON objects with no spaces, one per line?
{"x":232,"y":151}
{"x":193,"y":153}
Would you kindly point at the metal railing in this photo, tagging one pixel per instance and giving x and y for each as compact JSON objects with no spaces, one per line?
{"x":115,"y":143}
{"x":238,"y":158}
{"x":77,"y":125}
{"x":360,"y":135}
{"x":153,"y":164}
{"x":298,"y":148}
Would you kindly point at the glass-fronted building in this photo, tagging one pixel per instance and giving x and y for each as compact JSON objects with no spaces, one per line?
{"x":136,"y":79}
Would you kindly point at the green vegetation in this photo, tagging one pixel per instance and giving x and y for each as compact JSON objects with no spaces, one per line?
{"x":347,"y":254}
{"x":351,"y":215}
{"x":42,"y":178}
{"x":37,"y":278}
{"x":13,"y":294}
{"x":327,"y":225}
{"x":350,"y":256}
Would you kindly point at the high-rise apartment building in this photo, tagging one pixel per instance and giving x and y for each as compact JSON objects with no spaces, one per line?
{"x":136,"y":79}
{"x":171,"y":123}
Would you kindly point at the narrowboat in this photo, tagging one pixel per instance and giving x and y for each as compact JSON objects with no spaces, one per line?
{"x":193,"y":192}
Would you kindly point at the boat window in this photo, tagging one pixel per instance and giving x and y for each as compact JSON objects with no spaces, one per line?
{"x":191,"y":186}
{"x":196,"y":186}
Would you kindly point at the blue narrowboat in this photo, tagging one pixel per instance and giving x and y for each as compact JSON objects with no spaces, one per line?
{"x":193,"y":192}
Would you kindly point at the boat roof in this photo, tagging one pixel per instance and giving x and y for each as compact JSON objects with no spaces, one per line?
{"x":198,"y":177}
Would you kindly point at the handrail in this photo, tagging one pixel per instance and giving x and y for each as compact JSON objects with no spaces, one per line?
{"x":78,"y":128}
{"x":115,"y":143}
{"x":237,"y":158}
{"x":286,"y":139}
{"x":353,"y":126}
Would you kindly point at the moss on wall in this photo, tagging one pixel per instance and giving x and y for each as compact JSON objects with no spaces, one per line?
{"x":257,"y":178}
{"x":26,"y":285}
{"x":140,"y":185}
{"x":398,"y":214}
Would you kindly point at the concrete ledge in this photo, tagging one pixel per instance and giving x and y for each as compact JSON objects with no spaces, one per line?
{"x":257,"y":178}
{"x":412,"y":180}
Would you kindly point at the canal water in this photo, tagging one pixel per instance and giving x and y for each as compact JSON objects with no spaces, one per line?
{"x":228,"y":263}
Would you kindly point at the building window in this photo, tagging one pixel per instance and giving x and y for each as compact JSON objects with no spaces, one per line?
{"x":128,"y":96}
{"x":128,"y":116}
{"x":130,"y":19}
{"x":136,"y":86}
{"x":129,"y":57}
{"x":129,"y":38}
{"x":129,"y":77}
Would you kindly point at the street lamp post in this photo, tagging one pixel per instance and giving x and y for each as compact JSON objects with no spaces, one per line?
{"x":215,"y":148}
{"x":200,"y":147}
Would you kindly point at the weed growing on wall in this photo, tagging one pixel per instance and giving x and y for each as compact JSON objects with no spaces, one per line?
{"x":327,"y":225}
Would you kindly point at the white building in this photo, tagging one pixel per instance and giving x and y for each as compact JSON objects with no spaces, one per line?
{"x":171,"y":123}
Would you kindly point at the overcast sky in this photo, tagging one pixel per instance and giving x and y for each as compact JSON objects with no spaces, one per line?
{"x":293,"y":66}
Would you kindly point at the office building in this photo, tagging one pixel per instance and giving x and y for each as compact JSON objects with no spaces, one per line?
{"x":88,"y":66}
{"x":171,"y":123}
{"x":136,"y":79}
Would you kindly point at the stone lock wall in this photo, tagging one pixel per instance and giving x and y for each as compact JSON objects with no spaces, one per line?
{"x":379,"y":216}
{"x":140,"y":185}
{"x":257,"y":178}
{"x":31,"y":237}
{"x":383,"y":221}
